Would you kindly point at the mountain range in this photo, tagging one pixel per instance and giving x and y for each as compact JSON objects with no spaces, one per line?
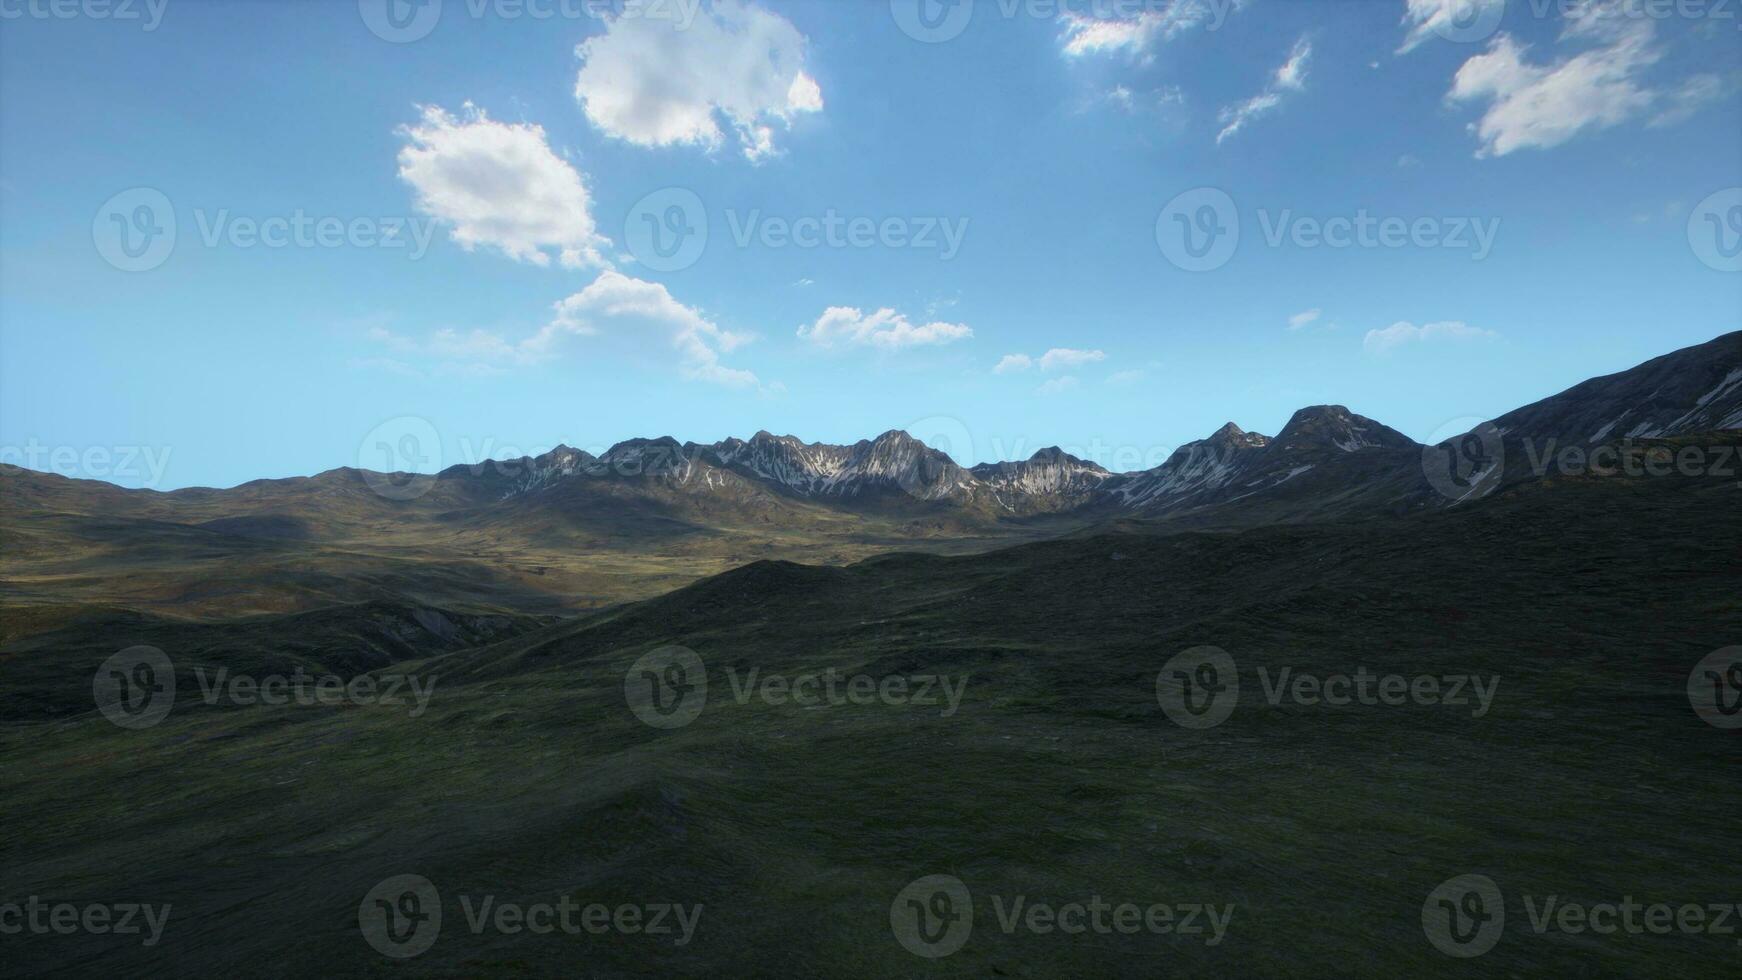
{"x":569,"y":530}
{"x":1331,"y":460}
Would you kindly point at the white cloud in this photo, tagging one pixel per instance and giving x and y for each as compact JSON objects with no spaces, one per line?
{"x":1089,"y":35}
{"x":1124,"y":377}
{"x":1426,"y":17}
{"x":654,"y":82}
{"x":1058,"y":358}
{"x":1291,"y":77}
{"x":1538,"y":106}
{"x":1066,"y":357}
{"x":1685,"y":100}
{"x":1300,"y":320}
{"x":1058,"y":386}
{"x":614,"y":304}
{"x":1403,"y":333}
{"x":617,"y":302}
{"x":845,"y":326}
{"x":499,"y":185}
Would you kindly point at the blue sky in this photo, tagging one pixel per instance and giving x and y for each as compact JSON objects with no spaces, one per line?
{"x":1556,"y":184}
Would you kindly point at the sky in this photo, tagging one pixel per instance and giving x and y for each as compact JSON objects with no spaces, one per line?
{"x":242,"y":240}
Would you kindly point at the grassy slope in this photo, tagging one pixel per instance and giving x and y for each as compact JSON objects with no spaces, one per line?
{"x":1059,"y":779}
{"x":296,"y":545}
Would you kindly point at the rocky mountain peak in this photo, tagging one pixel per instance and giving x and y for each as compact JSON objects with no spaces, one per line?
{"x":1335,"y":427}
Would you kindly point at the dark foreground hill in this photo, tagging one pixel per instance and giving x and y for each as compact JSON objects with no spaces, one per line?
{"x":1580,"y":603}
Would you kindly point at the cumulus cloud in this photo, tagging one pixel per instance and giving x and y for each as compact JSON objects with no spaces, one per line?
{"x":1012,"y":363}
{"x":617,"y":302}
{"x":655,"y":82}
{"x":1403,"y":333}
{"x":1291,"y":77}
{"x":845,"y":326}
{"x":1085,"y":34}
{"x":498,"y":185}
{"x":1304,"y":318}
{"x":1542,"y":105}
{"x":614,"y":304}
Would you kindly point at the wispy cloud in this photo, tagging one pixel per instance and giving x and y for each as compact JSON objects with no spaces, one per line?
{"x":614,"y":304}
{"x":1290,"y":77}
{"x":1542,"y":105}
